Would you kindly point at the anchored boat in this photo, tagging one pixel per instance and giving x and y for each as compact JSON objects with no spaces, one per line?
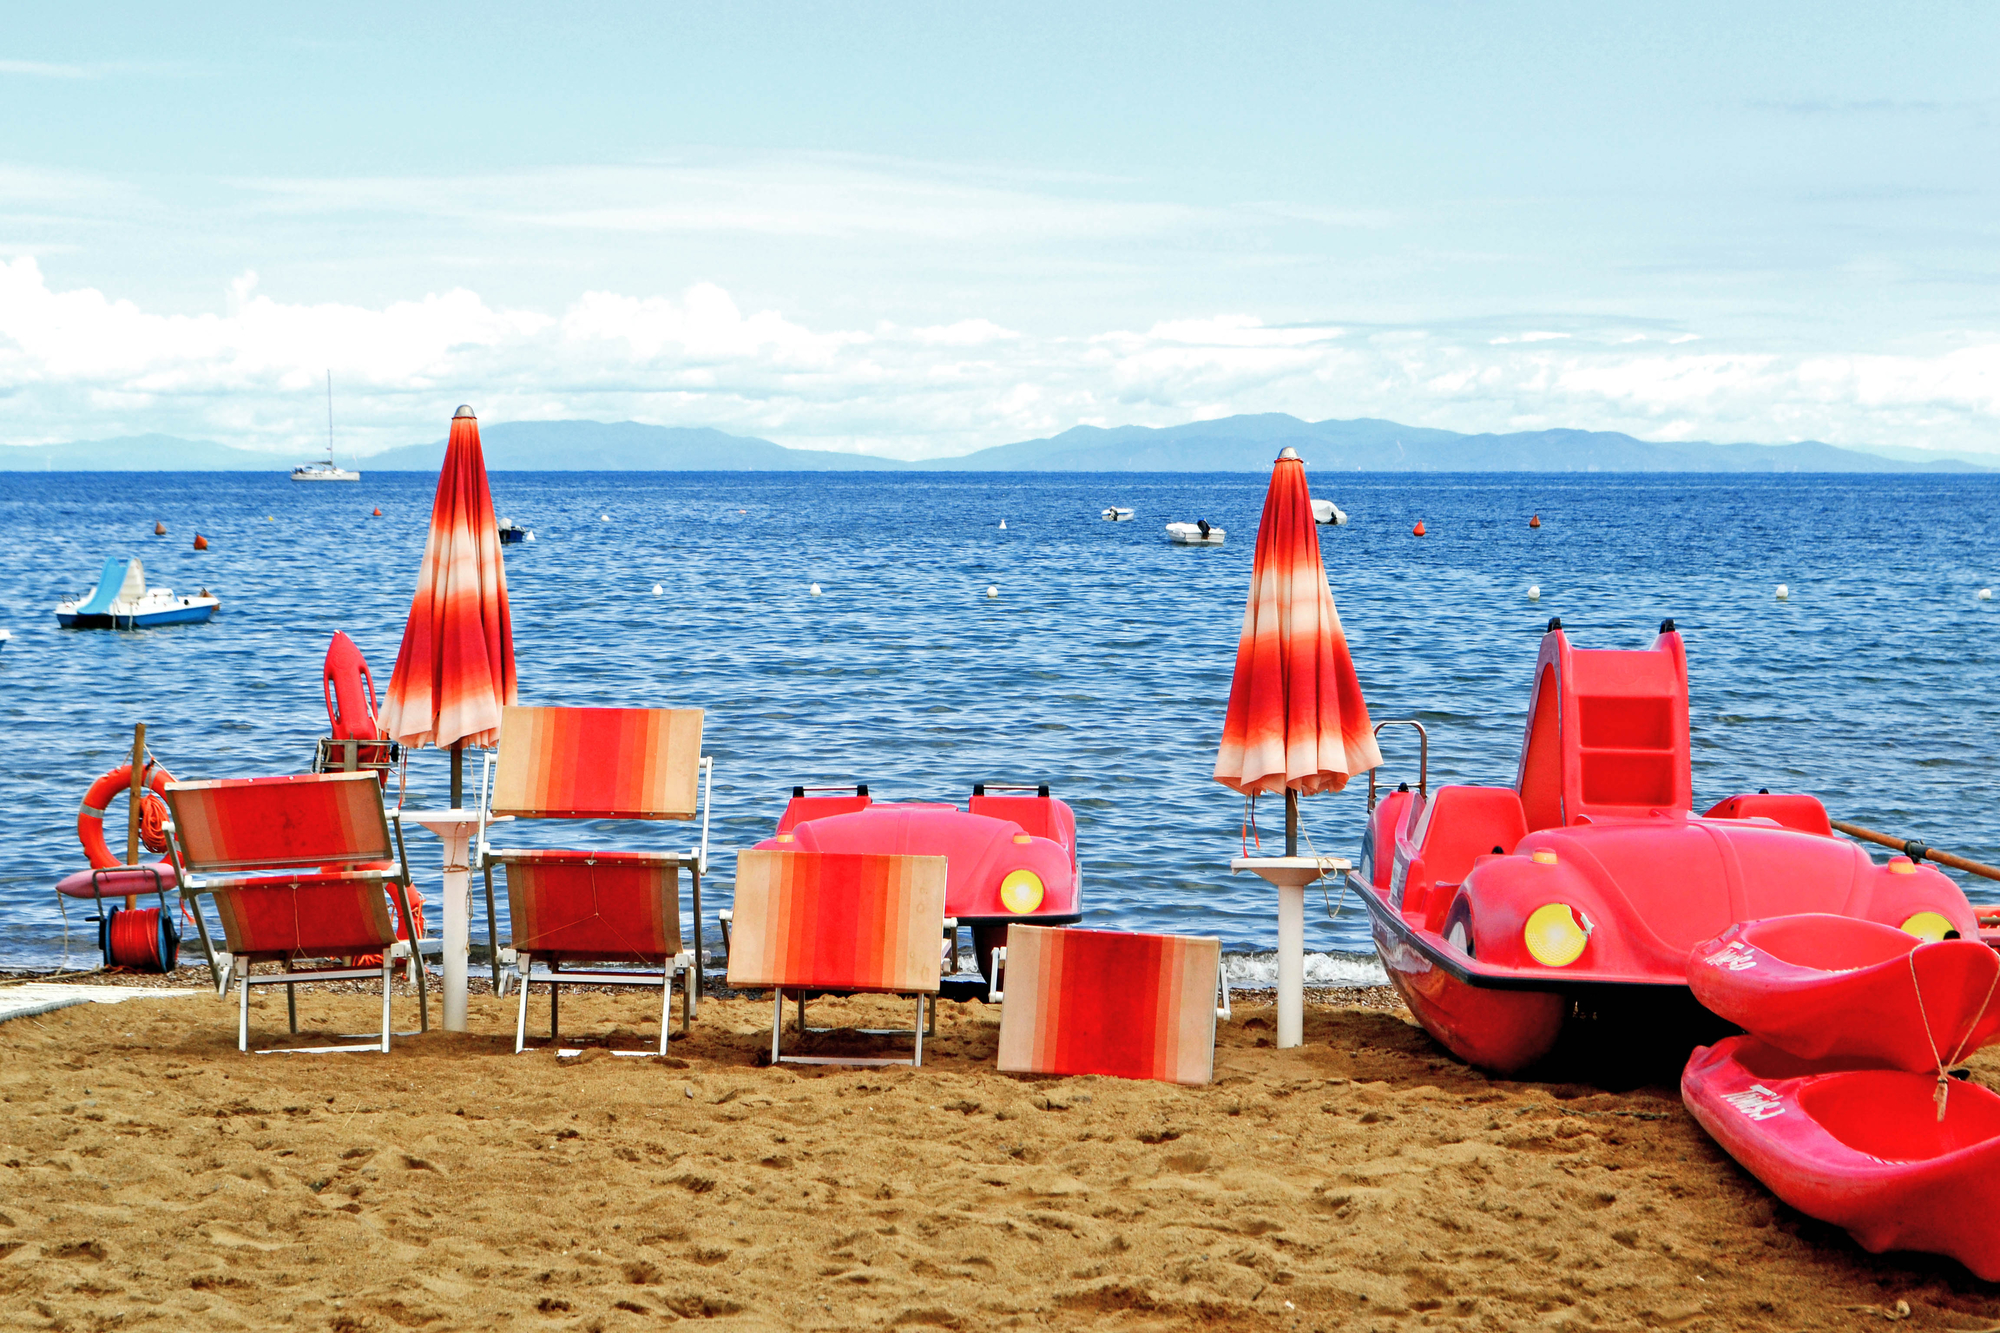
{"x":1199,"y":533}
{"x":123,"y":601}
{"x":1010,"y":854}
{"x":1499,"y":911}
{"x":1329,"y":514}
{"x":1116,"y":514}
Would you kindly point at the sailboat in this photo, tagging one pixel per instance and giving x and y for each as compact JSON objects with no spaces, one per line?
{"x":325,"y":470}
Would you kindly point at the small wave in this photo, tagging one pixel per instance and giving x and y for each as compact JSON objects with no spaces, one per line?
{"x":1259,"y":971}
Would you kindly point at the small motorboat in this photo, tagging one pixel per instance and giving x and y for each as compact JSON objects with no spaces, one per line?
{"x":4,"y":636}
{"x":1822,"y":986}
{"x":1328,"y":513}
{"x":1497,"y":911}
{"x":1010,"y":853}
{"x":123,"y":601}
{"x":1117,"y":515}
{"x":511,"y":532}
{"x":1869,"y":1150}
{"x":1198,"y":533}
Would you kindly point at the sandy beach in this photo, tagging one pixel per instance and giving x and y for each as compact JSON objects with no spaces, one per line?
{"x":151,"y":1175}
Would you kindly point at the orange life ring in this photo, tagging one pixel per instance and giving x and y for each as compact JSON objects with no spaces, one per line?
{"x":152,"y":812}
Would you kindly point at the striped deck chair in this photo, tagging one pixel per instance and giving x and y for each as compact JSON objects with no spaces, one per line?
{"x":838,"y":921}
{"x":1109,"y":1002}
{"x":596,"y":907}
{"x":300,"y":868}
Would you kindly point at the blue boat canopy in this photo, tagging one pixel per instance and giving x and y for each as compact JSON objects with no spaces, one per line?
{"x":122,"y":581}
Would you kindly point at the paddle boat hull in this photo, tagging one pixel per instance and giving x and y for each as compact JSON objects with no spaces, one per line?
{"x":1011,"y":858}
{"x":1863,"y":1149}
{"x":1500,"y":911}
{"x":1820,"y":986}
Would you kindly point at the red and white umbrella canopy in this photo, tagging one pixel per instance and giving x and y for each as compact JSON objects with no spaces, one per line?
{"x":456,"y":667}
{"x":1296,"y":717}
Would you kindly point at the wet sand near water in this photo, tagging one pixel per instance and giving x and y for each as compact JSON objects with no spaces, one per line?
{"x":152,"y":1176}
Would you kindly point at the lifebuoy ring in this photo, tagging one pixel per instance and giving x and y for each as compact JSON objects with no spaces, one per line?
{"x":152,"y":812}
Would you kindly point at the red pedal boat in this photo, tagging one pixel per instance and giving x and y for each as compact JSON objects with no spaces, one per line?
{"x":1497,"y":911}
{"x":1864,"y":1149}
{"x":1010,"y":854}
{"x":1819,"y":986}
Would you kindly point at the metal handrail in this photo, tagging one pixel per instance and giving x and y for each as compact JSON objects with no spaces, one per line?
{"x":1423,"y":757}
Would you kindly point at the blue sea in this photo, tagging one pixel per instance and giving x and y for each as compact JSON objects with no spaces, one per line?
{"x":1100,"y":666}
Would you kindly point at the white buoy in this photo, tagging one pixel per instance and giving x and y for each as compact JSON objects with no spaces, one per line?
{"x":531,"y":534}
{"x":1534,"y":592}
{"x":992,"y":591}
{"x":815,"y":590}
{"x":605,"y":517}
{"x":1003,"y":525}
{"x":657,"y":590}
{"x":1784,"y":592}
{"x":1986,"y":594}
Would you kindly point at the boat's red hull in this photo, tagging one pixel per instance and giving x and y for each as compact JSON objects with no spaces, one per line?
{"x":1501,"y":1030}
{"x":1860,"y":1148}
{"x":1823,"y":987}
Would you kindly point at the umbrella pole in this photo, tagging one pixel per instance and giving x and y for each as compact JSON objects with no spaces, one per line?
{"x":1291,"y":940}
{"x":458,"y":775}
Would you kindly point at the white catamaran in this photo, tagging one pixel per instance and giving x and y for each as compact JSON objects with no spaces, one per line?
{"x":325,"y":469}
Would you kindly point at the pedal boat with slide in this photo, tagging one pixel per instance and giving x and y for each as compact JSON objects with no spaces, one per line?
{"x":122,"y":600}
{"x":1500,"y":912}
{"x":1010,"y":857}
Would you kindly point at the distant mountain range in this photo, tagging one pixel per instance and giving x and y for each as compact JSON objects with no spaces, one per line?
{"x":1231,"y":444}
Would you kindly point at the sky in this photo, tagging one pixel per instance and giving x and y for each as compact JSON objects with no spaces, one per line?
{"x":918,"y":230}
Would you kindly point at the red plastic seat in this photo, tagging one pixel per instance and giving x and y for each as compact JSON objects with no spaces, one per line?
{"x":1607,"y":733}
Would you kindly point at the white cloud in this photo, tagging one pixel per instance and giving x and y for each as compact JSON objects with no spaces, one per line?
{"x":79,"y":363}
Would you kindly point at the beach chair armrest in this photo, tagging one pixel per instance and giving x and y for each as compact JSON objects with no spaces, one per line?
{"x":995,"y":995}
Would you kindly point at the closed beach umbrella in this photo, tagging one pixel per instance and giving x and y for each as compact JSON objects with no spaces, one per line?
{"x":1296,"y":721}
{"x":455,"y":670}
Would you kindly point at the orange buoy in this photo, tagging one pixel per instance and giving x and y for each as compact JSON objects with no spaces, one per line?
{"x":1535,"y":522}
{"x":1418,"y":530}
{"x":378,"y":511}
{"x":200,"y":542}
{"x":159,"y":528}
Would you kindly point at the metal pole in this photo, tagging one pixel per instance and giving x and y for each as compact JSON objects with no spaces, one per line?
{"x":132,"y":805}
{"x":1291,"y":822}
{"x":457,"y":775}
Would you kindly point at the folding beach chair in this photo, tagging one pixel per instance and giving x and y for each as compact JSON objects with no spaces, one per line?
{"x":838,"y":921}
{"x":596,"y":907}
{"x":1109,"y":1002}
{"x":245,"y":842}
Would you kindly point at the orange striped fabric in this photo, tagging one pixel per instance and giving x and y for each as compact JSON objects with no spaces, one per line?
{"x":314,"y":819}
{"x":307,"y":917}
{"x":598,"y":763}
{"x":838,"y":921}
{"x":1109,"y":1002}
{"x":594,"y":906}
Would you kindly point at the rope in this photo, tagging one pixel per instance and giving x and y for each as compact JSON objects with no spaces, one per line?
{"x":135,"y":940}
{"x":1944,"y":1066}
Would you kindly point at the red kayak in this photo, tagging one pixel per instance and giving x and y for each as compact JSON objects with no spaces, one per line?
{"x":1820,"y":986}
{"x":1864,"y":1149}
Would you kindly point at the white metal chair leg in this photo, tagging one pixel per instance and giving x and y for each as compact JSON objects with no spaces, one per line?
{"x":777,"y":1021}
{"x":920,"y":1031}
{"x":388,"y":970}
{"x":243,"y":1014}
{"x":521,"y":1015}
{"x":666,"y":1004}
